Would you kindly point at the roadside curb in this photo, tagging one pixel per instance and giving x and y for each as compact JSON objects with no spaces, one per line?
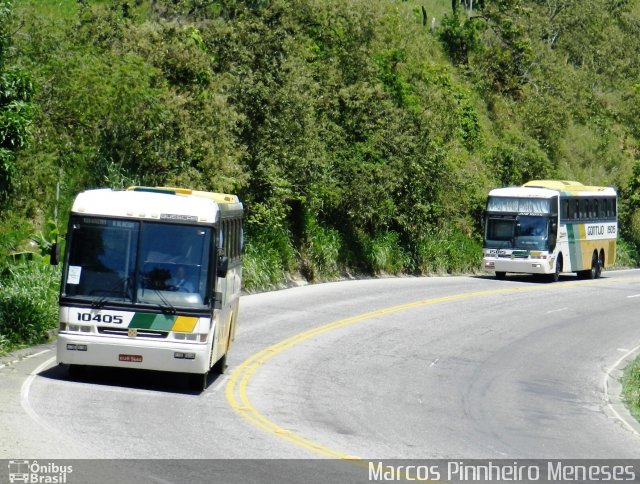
{"x":613,"y":393}
{"x":24,"y":353}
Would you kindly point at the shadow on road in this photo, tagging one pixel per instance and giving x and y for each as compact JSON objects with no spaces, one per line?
{"x":159,"y":381}
{"x":531,"y":278}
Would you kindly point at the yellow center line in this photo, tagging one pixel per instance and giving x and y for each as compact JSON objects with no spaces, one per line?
{"x":236,"y":390}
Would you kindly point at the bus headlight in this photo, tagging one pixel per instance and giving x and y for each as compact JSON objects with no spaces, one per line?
{"x":538,"y":255}
{"x":76,"y":328}
{"x":184,"y":356}
{"x":195,"y":337}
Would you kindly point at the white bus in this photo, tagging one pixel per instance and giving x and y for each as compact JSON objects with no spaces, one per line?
{"x":151,"y":280}
{"x":550,"y":227}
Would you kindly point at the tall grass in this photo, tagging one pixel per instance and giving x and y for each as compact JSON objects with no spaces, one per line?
{"x":385,"y":254}
{"x":262,"y":267}
{"x":631,"y":387}
{"x":448,"y":253}
{"x":28,"y":304}
{"x":320,"y":252}
{"x":626,"y":254}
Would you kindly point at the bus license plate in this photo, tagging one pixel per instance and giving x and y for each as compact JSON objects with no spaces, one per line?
{"x":132,"y":358}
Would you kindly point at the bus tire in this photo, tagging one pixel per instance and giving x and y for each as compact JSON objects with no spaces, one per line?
{"x":198,"y":381}
{"x":600,"y":262}
{"x":501,"y":276}
{"x":594,"y":272}
{"x":221,"y":365}
{"x":555,"y":275}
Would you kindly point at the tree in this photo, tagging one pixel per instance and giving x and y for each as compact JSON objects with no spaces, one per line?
{"x":16,"y":114}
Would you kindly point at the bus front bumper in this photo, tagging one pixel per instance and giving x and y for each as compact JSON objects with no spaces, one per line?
{"x":74,"y":349}
{"x":524,"y":266}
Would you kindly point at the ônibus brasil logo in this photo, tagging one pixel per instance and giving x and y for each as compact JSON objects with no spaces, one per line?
{"x":37,"y":473}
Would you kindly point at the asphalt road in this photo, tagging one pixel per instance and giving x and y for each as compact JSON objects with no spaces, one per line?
{"x":408,"y":368}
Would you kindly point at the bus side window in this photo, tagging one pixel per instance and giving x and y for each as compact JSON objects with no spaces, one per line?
{"x":575,"y":208}
{"x":232,"y":246}
{"x":227,"y":238}
{"x":236,"y":238}
{"x":584,"y":209}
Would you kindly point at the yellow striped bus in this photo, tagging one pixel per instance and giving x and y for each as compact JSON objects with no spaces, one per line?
{"x":550,"y":227}
{"x":151,"y":280}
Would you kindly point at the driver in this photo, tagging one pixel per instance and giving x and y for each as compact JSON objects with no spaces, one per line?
{"x":181,"y":281}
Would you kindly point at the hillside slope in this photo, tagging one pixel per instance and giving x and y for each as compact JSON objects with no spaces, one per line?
{"x":361,"y":136}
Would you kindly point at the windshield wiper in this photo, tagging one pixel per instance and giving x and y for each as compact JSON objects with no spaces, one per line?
{"x":166,"y":306}
{"x":123,"y":282}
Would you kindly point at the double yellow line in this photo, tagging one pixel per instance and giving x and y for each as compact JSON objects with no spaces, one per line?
{"x":236,"y":389}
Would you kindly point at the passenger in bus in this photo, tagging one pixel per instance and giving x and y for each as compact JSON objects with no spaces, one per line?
{"x":181,"y":281}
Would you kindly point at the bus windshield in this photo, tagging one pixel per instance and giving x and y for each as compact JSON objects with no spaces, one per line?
{"x":517,"y":232}
{"x":137,"y":262}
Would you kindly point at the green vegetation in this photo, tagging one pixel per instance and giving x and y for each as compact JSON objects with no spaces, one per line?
{"x":631,"y":387}
{"x":361,"y":136}
{"x":28,"y":304}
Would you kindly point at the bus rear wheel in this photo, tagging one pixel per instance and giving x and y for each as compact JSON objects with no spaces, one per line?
{"x":595,"y":270}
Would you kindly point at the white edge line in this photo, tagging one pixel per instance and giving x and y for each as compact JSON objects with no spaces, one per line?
{"x":557,"y":310}
{"x":159,"y":479}
{"x":24,"y":394}
{"x":37,"y":354}
{"x":606,"y":390}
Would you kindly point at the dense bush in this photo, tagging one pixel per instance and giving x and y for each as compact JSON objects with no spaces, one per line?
{"x":28,"y":304}
{"x":448,"y":252}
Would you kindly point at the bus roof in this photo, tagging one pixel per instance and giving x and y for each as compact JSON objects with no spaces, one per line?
{"x":571,"y":187}
{"x":523,"y":192}
{"x":156,"y":203}
{"x":552,"y":188}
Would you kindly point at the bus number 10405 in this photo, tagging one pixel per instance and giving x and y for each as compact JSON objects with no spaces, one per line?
{"x":100,"y":318}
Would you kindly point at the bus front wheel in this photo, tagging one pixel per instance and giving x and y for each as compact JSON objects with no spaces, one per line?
{"x":198,"y":381}
{"x":555,"y":275}
{"x":221,"y":365}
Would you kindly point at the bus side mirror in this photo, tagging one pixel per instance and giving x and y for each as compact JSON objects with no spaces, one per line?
{"x":553,"y":233}
{"x":54,"y":255}
{"x":223,"y":266}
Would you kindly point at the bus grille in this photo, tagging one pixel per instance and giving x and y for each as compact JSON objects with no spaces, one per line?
{"x":141,"y":333}
{"x":515,"y":255}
